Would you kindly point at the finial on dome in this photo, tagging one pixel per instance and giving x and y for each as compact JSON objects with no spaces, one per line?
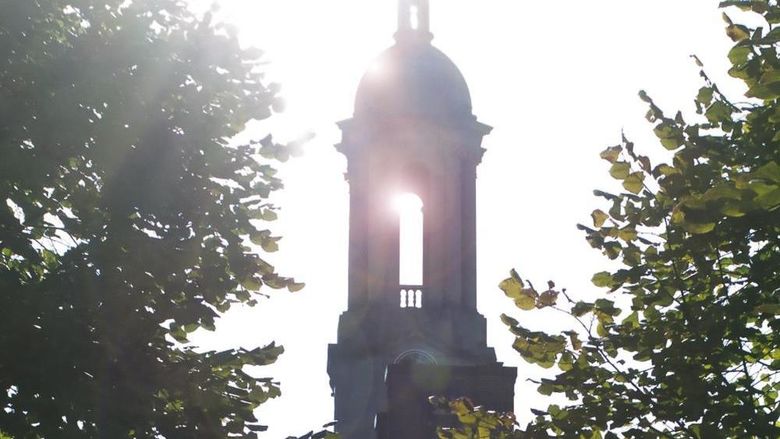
{"x":413,"y":21}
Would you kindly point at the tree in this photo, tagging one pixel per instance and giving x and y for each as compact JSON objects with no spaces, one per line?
{"x":690,"y":346}
{"x":125,"y":220}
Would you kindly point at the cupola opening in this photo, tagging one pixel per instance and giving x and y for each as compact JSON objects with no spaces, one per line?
{"x":410,"y":211}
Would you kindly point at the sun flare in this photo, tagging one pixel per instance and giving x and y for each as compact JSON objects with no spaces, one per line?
{"x":407,"y":203}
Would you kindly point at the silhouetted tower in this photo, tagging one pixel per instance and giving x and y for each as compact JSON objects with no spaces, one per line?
{"x":413,"y":131}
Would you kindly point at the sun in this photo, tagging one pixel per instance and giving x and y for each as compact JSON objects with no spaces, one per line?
{"x":407,"y":203}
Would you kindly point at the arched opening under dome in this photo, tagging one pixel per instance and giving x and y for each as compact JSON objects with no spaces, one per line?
{"x":410,"y":211}
{"x":410,"y":249}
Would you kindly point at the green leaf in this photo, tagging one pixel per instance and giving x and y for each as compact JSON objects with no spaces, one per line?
{"x":665,"y":170}
{"x":544,"y":389}
{"x":270,"y":245}
{"x":525,"y":298}
{"x":634,"y":182}
{"x":179,"y":334}
{"x":772,"y":37}
{"x":581,"y":308}
{"x":252,"y":283}
{"x":599,"y":217}
{"x":760,"y":91}
{"x":511,"y":287}
{"x":566,"y":362}
{"x":602,"y":279}
{"x":607,"y":307}
{"x":718,"y":112}
{"x":670,"y":135}
{"x":732,"y":209}
{"x":769,"y":171}
{"x":704,"y":98}
{"x":294,"y":287}
{"x":678,"y":216}
{"x":632,"y":320}
{"x":612,"y":249}
{"x":264,"y":239}
{"x":267,"y":215}
{"x":769,"y":200}
{"x":620,"y":170}
{"x":768,"y":308}
{"x":627,"y":234}
{"x":697,"y":228}
{"x":770,"y":77}
{"x":739,"y":55}
{"x":509,"y":321}
{"x":722,"y":191}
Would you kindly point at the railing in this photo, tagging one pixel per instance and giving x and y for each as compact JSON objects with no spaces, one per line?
{"x":411,"y":296}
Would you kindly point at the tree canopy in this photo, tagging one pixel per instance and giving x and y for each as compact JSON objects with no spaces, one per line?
{"x":125,"y":220}
{"x":689,"y":346}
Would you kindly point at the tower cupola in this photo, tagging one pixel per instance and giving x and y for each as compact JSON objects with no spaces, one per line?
{"x":413,"y":132}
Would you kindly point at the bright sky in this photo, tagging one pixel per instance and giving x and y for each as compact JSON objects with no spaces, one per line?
{"x":557,"y":80}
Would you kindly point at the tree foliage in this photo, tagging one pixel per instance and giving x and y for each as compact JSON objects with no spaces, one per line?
{"x":695,"y":351}
{"x":125,"y":217}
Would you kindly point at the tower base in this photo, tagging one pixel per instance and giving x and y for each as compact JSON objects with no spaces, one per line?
{"x":410,"y":415}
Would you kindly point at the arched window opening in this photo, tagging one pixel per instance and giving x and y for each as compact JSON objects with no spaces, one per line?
{"x":409,"y":207}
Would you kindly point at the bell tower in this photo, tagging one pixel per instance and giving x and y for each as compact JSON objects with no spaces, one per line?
{"x":413,"y":131}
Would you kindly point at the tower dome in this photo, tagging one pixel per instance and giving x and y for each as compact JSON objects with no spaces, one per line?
{"x":413,"y":78}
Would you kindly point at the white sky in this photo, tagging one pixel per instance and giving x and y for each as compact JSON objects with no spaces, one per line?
{"x":558,"y":81}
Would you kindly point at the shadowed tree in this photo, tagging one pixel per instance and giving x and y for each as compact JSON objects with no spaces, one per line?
{"x":695,"y":351}
{"x":125,"y":218}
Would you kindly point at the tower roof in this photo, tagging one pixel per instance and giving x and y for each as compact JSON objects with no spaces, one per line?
{"x":413,"y":78}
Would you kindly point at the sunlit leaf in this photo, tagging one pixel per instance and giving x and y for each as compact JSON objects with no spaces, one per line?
{"x":599,"y":217}
{"x":620,"y":170}
{"x":634,"y":182}
{"x":602,"y":279}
